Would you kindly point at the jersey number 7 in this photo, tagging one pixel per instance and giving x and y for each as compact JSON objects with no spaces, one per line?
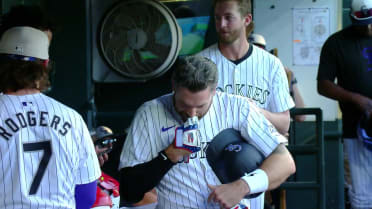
{"x":36,"y":146}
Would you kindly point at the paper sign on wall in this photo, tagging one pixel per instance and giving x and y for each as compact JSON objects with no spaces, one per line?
{"x":310,"y":31}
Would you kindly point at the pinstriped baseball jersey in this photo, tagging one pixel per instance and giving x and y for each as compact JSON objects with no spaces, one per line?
{"x":185,"y":185}
{"x":45,"y":150}
{"x":260,"y":77}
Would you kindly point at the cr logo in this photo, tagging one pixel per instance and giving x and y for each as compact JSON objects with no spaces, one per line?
{"x":233,"y":147}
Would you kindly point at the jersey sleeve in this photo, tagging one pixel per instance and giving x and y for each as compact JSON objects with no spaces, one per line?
{"x":89,"y":169}
{"x":137,"y":146}
{"x":281,"y":100}
{"x":257,"y":130}
{"x":328,"y":64}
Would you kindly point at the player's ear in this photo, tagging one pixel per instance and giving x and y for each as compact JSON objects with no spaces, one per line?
{"x":247,"y":19}
{"x":213,"y":91}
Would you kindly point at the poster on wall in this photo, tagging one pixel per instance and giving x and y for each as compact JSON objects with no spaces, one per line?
{"x":311,"y":28}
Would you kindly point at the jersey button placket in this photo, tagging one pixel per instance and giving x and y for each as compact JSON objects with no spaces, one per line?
{"x":236,"y":79}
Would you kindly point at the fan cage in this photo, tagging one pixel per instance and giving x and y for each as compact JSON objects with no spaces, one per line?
{"x":175,"y":33}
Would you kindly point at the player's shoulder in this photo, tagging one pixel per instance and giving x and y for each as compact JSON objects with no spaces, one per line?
{"x":343,"y":34}
{"x":209,"y":51}
{"x":257,"y":51}
{"x":61,"y":109}
{"x":337,"y":39}
{"x":270,"y":59}
{"x":162,"y":102}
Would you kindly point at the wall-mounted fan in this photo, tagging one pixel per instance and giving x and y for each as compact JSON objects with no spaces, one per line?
{"x":139,"y":40}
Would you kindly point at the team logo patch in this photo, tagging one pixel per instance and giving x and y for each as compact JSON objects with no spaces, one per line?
{"x":26,"y":104}
{"x":233,"y":148}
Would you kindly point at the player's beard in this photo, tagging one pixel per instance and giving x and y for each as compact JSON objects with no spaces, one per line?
{"x":230,"y":37}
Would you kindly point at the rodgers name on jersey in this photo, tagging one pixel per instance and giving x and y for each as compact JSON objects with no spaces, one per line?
{"x":31,"y":119}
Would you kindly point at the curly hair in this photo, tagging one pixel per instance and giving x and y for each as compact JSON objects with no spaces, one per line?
{"x":18,"y":74}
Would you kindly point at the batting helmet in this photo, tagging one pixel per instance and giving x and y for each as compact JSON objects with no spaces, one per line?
{"x":231,"y":157}
{"x":361,"y":12}
{"x":365,"y":131}
{"x":103,"y":136}
{"x":103,"y":131}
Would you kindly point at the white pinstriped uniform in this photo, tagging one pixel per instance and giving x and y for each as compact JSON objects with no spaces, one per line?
{"x":360,"y":175}
{"x":260,"y":77}
{"x":45,"y":150}
{"x":185,"y":185}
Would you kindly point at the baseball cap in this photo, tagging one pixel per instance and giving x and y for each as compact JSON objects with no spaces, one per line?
{"x":258,"y":40}
{"x":25,"y":41}
{"x":361,"y":12}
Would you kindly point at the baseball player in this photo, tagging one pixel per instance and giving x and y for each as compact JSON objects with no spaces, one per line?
{"x":151,"y":156}
{"x":47,"y":158}
{"x":245,"y":69}
{"x":346,"y":57}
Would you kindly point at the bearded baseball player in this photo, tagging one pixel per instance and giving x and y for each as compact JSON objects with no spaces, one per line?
{"x":47,"y":158}
{"x":168,"y":138}
{"x":245,"y":69}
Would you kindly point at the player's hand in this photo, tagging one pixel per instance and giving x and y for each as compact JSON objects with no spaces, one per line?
{"x":175,"y":154}
{"x":187,"y":137}
{"x":228,"y":195}
{"x":364,"y":103}
{"x":102,"y":159}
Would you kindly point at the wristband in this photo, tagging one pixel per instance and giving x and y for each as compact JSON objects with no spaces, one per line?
{"x":163,"y":155}
{"x":257,"y":180}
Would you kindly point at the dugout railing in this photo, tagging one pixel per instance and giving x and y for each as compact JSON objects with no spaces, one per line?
{"x":303,"y":147}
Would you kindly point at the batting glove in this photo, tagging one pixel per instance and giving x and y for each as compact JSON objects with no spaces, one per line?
{"x":188,"y":136}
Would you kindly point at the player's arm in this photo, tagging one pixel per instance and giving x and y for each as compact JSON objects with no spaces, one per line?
{"x":149,"y":174}
{"x":275,"y":169}
{"x":331,"y":90}
{"x":328,"y":65}
{"x":299,"y":102}
{"x":278,"y":166}
{"x":85,"y":195}
{"x":137,"y":180}
{"x":280,"y":120}
{"x":281,"y":100}
{"x":88,"y":171}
